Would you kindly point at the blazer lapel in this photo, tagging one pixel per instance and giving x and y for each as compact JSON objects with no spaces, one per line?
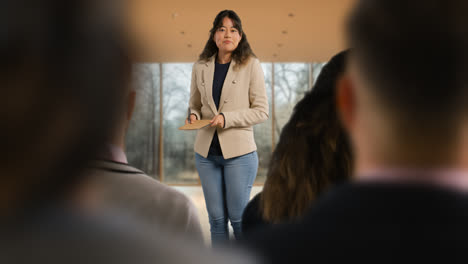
{"x":208,"y":75}
{"x":230,"y":84}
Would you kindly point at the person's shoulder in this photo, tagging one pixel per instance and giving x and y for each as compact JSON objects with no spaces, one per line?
{"x":125,"y":175}
{"x":199,"y":63}
{"x":361,"y":201}
{"x":252,"y":210}
{"x":176,"y":196}
{"x":252,"y":60}
{"x":202,"y":62}
{"x":65,"y":236}
{"x":247,"y":65}
{"x":252,"y":218}
{"x":163,"y":192}
{"x":112,"y":167}
{"x":255,"y":202}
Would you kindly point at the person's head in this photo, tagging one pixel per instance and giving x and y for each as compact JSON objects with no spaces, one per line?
{"x":313,"y":151}
{"x":63,"y":71}
{"x":405,"y":99}
{"x":227,"y":36}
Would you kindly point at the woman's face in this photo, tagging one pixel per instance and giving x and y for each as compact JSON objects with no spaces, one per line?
{"x":227,"y":37}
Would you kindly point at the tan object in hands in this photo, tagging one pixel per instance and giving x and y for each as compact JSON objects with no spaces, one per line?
{"x":195,"y":125}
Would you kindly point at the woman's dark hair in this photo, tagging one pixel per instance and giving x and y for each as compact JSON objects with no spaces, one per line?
{"x":64,"y":70}
{"x":313,"y":151}
{"x":243,"y":51}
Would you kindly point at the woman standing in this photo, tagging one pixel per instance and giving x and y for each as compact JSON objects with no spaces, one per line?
{"x":227,"y":87}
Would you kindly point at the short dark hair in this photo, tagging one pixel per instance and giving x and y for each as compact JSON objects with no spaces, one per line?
{"x":313,"y":152}
{"x":414,"y":54}
{"x":64,"y":69}
{"x":243,"y":51}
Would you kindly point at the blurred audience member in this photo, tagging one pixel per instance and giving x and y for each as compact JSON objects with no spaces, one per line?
{"x":63,"y":74}
{"x":128,"y":189}
{"x":404,"y":104}
{"x":313,"y":153}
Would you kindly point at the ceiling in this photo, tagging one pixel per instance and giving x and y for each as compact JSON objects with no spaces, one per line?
{"x":278,"y":30}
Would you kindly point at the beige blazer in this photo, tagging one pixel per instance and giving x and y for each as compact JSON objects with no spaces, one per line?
{"x":243,"y":102}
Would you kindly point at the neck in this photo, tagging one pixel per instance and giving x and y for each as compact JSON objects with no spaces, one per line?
{"x":114,"y":153}
{"x":119,"y":142}
{"x":118,"y":139}
{"x":224,"y":57}
{"x":409,"y":160}
{"x":379,"y":145}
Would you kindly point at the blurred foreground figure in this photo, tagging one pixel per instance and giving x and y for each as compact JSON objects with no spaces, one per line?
{"x":63,"y":72}
{"x":404,"y":104}
{"x":130,"y":191}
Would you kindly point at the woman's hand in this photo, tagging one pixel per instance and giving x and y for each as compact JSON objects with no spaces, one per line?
{"x":218,"y":120}
{"x":193,"y":119}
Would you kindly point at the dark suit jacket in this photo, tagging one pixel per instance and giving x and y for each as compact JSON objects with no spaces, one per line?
{"x":373,"y":223}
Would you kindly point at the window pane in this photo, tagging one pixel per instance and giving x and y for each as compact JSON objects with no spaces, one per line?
{"x":262,"y":132}
{"x":316,"y":69}
{"x":142,"y":133}
{"x":291,"y":83}
{"x":179,"y":156}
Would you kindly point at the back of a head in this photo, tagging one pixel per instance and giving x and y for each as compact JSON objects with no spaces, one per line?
{"x":413,"y":56}
{"x":313,"y":151}
{"x":64,"y":66}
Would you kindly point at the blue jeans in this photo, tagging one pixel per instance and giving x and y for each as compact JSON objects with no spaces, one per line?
{"x":226,"y":186}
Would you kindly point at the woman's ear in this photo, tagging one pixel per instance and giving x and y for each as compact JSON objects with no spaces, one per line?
{"x":345,"y":101}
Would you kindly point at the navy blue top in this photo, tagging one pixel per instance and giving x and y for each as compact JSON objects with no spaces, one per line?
{"x":220,"y":73}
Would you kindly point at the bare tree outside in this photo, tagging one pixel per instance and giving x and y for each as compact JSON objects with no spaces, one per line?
{"x":291,"y":83}
{"x":179,"y":156}
{"x":142,"y":134}
{"x":262,"y":132}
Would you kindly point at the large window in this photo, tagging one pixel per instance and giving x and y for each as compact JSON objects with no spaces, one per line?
{"x":154,"y":143}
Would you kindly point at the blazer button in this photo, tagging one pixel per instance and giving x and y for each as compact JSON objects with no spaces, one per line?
{"x":234,"y":82}
{"x":203,"y":83}
{"x":225,"y":101}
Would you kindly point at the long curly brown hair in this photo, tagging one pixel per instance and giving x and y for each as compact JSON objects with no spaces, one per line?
{"x":243,"y":51}
{"x":312,"y":154}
